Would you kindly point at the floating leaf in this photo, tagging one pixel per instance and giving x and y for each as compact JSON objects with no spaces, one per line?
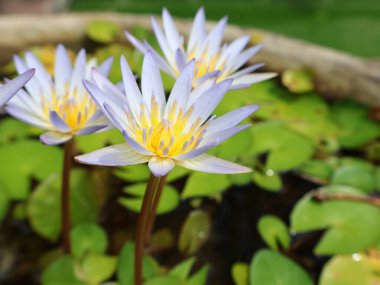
{"x":269,"y":267}
{"x":195,"y":232}
{"x":269,"y":180}
{"x":12,"y":130}
{"x":102,"y":31}
{"x":298,"y":80}
{"x":319,"y":170}
{"x":134,"y":173}
{"x":162,"y":239}
{"x":356,"y":128}
{"x":204,"y":184}
{"x":126,"y":264}
{"x":350,"y":226}
{"x":287,"y":149}
{"x":88,"y":238}
{"x":169,"y":199}
{"x":239,"y":273}
{"x":350,"y":270}
{"x":25,"y":160}
{"x":61,"y":272}
{"x":97,"y":268}
{"x":200,"y":277}
{"x":165,"y":280}
{"x":4,"y":203}
{"x":274,"y":232}
{"x":44,"y":205}
{"x":182,"y":270}
{"x":91,"y":142}
{"x":358,"y":176}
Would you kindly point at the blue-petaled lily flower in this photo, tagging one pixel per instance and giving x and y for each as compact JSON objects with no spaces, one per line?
{"x":10,"y":88}
{"x":165,"y":133}
{"x":213,"y":59}
{"x":60,"y":105}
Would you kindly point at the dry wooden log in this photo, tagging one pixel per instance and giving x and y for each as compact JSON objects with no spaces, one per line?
{"x":338,"y":74}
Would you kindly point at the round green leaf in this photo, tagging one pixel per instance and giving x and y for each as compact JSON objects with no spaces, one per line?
{"x":350,"y":270}
{"x":270,"y":180}
{"x":97,"y":268}
{"x":269,"y":268}
{"x":88,"y":238}
{"x":240,"y":273}
{"x":274,"y":232}
{"x":24,"y":160}
{"x":350,"y":226}
{"x":298,"y":80}
{"x":204,"y":184}
{"x":95,"y":141}
{"x":165,"y":280}
{"x":169,"y":199}
{"x":356,"y":176}
{"x":103,"y":31}
{"x":61,"y":272}
{"x":43,"y":207}
{"x":195,"y":232}
{"x":182,"y":270}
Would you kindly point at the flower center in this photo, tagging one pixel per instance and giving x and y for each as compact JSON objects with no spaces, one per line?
{"x":73,"y":108}
{"x":171,"y":136}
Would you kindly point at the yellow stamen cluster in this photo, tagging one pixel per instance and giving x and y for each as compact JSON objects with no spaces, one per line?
{"x":75,"y":110}
{"x":167,"y":137}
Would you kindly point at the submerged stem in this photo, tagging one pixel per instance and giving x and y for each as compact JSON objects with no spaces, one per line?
{"x":142,"y":227}
{"x":65,"y":196}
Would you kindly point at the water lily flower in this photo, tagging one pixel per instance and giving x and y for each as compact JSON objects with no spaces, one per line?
{"x":213,"y":59}
{"x":60,"y":105}
{"x":11,"y":87}
{"x":165,"y":132}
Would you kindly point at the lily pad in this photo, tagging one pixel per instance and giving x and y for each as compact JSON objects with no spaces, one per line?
{"x":95,"y":141}
{"x":341,"y":219}
{"x":12,"y":130}
{"x":97,"y":268}
{"x":43,"y":208}
{"x":204,"y":184}
{"x":88,"y":238}
{"x":274,"y":232}
{"x":169,"y":199}
{"x":126,"y":264}
{"x":286,"y":149}
{"x":356,"y":176}
{"x":298,"y":80}
{"x":195,"y":232}
{"x":239,"y":273}
{"x":350,"y":270}
{"x":25,"y":160}
{"x":269,"y":267}
{"x":61,"y":272}
{"x":317,"y":169}
{"x":103,"y":31}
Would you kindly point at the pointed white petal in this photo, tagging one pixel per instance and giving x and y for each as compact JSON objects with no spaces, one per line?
{"x":54,"y":138}
{"x":116,"y":155}
{"x":131,"y":89}
{"x":135,"y":145}
{"x":212,"y":164}
{"x":236,"y":62}
{"x":180,"y":59}
{"x":162,"y":41}
{"x":171,"y":31}
{"x":246,"y":70}
{"x":231,"y":119}
{"x":234,"y":48}
{"x":58,"y":122}
{"x":32,"y":86}
{"x":151,"y":84}
{"x":160,"y":166}
{"x":215,"y":37}
{"x":62,"y":70}
{"x":196,"y":152}
{"x":250,"y":79}
{"x":27,"y":117}
{"x":136,"y":43}
{"x":12,"y":87}
{"x":208,"y":101}
{"x":105,"y":67}
{"x":41,"y":74}
{"x":90,"y":129}
{"x":79,"y":72}
{"x":181,"y":89}
{"x":223,"y":135}
{"x":160,"y":61}
{"x":198,"y":31}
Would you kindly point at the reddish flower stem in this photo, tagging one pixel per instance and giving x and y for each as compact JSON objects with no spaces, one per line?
{"x":65,"y":195}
